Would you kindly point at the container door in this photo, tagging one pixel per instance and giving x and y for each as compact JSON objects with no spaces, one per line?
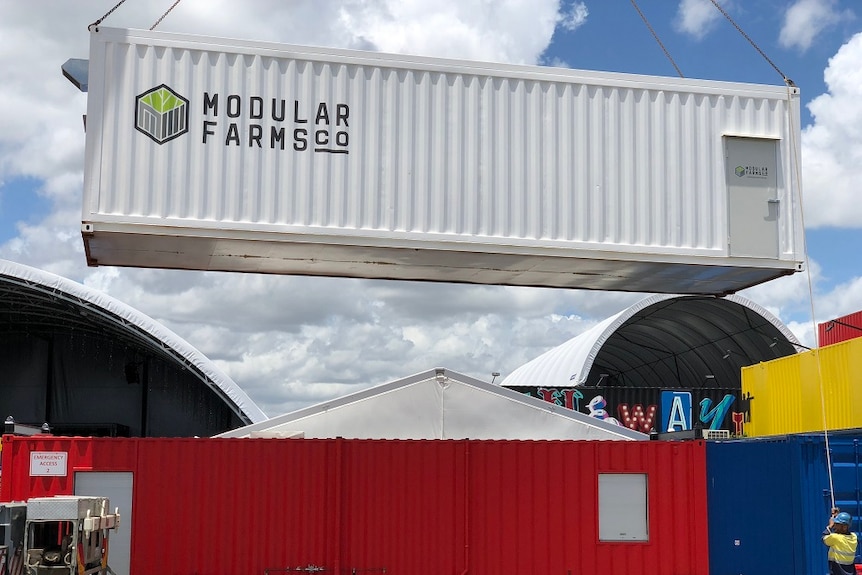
{"x":742,"y":490}
{"x":846,"y":452}
{"x":751,"y":166}
{"x":117,"y":486}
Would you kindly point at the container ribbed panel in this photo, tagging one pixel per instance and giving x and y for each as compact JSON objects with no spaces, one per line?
{"x":840,"y":329}
{"x":227,"y":506}
{"x":805,"y":391}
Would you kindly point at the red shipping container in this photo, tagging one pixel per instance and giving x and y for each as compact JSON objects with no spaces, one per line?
{"x":227,"y":506}
{"x":840,"y":329}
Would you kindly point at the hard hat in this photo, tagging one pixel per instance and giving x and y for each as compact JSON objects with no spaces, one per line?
{"x":842,"y":518}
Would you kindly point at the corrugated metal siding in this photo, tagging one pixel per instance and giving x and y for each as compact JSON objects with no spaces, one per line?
{"x":423,"y":507}
{"x":433,"y":184}
{"x":525,"y":154}
{"x":517,"y":509}
{"x":840,"y":329}
{"x":787,"y":391}
{"x":739,"y":483}
{"x":846,"y":453}
{"x":403,"y":503}
{"x":278,"y":511}
{"x":760,"y":524}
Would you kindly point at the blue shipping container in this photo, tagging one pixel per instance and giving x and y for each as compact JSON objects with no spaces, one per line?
{"x":768,"y":501}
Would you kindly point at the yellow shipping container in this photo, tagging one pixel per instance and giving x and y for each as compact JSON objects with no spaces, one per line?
{"x":787,"y":395}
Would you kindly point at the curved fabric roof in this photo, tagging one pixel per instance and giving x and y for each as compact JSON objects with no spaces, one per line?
{"x":665,"y":341}
{"x":42,"y":300}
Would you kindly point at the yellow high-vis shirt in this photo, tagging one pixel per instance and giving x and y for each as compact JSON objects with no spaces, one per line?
{"x":842,"y":547}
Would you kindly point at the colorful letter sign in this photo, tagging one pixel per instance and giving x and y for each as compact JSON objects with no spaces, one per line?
{"x":675,"y":410}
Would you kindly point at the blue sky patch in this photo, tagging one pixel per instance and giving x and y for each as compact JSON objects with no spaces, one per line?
{"x":21,"y":202}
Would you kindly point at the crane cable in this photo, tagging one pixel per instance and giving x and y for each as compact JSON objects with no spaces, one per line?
{"x":787,"y":80}
{"x":168,"y":11}
{"x":120,"y":3}
{"x":816,"y":351}
{"x":791,"y":87}
{"x":813,"y":321}
{"x":657,"y":39}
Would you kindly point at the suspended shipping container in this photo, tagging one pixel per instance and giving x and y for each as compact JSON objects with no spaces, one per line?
{"x":801,"y":392}
{"x":228,"y":506}
{"x":213,"y":154}
{"x":769,"y":501}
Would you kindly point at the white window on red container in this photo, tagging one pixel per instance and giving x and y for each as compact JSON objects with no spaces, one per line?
{"x":623,"y":510}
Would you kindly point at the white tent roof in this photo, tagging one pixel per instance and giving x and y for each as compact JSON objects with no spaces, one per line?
{"x":664,"y":338}
{"x":97,"y":307}
{"x":437,"y":404}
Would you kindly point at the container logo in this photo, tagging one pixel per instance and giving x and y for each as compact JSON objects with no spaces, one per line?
{"x":751,"y":171}
{"x":161,"y":114}
{"x":276,"y":123}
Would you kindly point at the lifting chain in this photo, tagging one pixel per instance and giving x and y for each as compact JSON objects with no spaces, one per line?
{"x":120,"y":3}
{"x":108,"y":13}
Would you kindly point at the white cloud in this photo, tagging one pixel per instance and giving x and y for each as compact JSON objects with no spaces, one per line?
{"x":804,"y":331}
{"x":353,"y":333}
{"x":575,"y":17}
{"x":832,"y":145}
{"x":843,"y":299}
{"x":697,"y":18}
{"x":515,"y":31}
{"x":804,"y":20}
{"x":786,"y":295}
{"x":290,"y":341}
{"x":285,"y":340}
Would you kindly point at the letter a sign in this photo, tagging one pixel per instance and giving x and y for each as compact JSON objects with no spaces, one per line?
{"x":675,"y":410}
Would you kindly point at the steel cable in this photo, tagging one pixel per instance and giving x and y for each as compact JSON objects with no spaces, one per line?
{"x":657,"y":39}
{"x":168,"y":11}
{"x":787,"y":80}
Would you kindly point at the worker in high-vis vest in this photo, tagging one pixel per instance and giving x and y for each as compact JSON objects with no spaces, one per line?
{"x":841,"y":542}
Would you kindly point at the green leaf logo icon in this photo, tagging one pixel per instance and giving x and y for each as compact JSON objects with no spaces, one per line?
{"x":162,"y":114}
{"x":162,"y":100}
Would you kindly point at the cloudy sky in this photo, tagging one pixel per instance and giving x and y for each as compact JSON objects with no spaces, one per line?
{"x":291,"y":341}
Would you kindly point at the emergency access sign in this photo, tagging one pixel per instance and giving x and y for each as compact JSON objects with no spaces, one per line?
{"x":48,"y":463}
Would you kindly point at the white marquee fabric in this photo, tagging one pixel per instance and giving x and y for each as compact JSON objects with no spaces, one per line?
{"x":438,"y":404}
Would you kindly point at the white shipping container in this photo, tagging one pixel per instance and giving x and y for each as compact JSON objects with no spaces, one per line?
{"x":216,"y":154}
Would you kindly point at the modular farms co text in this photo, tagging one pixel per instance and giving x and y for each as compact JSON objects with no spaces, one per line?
{"x":276,"y":123}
